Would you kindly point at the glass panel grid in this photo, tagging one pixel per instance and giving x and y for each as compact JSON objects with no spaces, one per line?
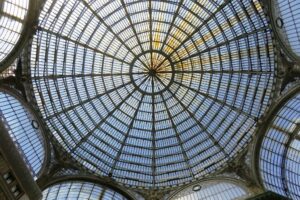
{"x":152,"y":93}
{"x":12,"y":19}
{"x":280,"y":151}
{"x":75,"y":190}
{"x":212,"y":190}
{"x":289,"y":13}
{"x":22,"y":131}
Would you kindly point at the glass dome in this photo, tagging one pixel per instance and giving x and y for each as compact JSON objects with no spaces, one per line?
{"x":23,"y":129}
{"x":13,"y":17}
{"x":213,"y":190}
{"x":74,"y":190}
{"x":288,"y":20}
{"x":152,"y":93}
{"x":279,"y":160}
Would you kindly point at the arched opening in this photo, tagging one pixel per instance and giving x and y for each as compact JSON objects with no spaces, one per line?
{"x":24,"y":129}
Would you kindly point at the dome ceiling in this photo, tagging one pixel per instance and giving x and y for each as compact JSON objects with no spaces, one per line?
{"x":286,"y":17}
{"x":152,"y":93}
{"x":80,"y":190}
{"x":213,"y":190}
{"x":13,"y":17}
{"x":24,"y":131}
{"x":279,"y":155}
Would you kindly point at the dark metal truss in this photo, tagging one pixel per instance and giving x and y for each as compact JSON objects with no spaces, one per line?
{"x":152,"y":93}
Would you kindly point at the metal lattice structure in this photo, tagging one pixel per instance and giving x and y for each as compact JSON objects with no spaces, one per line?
{"x":279,"y":158}
{"x":80,"y":190}
{"x":152,"y":93}
{"x":286,"y":17}
{"x":213,"y":190}
{"x":24,"y":131}
{"x":16,"y":25}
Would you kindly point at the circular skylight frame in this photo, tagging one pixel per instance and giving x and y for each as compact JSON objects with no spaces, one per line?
{"x":282,"y":140}
{"x":35,"y":119}
{"x":46,"y":89}
{"x":27,"y":31}
{"x":279,"y":32}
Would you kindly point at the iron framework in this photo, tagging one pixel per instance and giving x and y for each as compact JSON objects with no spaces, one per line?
{"x":144,"y":91}
{"x":278,"y":150}
{"x":24,"y":128}
{"x":80,"y":190}
{"x":17,"y":20}
{"x":213,"y":189}
{"x":285,"y":20}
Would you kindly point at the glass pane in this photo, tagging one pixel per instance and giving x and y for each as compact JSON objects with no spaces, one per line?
{"x":152,"y":93}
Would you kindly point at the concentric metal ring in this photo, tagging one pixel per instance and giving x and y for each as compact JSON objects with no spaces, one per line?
{"x":87,"y":59}
{"x":154,"y":75}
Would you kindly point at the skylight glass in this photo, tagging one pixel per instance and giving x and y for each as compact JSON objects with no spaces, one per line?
{"x":280,"y":151}
{"x":152,"y":93}
{"x":213,"y":190}
{"x":23,"y":129}
{"x":289,"y":13}
{"x":74,"y":190}
{"x":12,"y":19}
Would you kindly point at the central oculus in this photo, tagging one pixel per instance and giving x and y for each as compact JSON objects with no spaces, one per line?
{"x":152,"y":72}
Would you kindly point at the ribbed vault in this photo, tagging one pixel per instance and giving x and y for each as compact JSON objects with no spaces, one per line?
{"x":214,"y":189}
{"x":24,"y":130}
{"x":80,"y":190}
{"x":152,"y":93}
{"x":17,"y":19}
{"x":12,"y":19}
{"x":286,"y":19}
{"x":279,"y":155}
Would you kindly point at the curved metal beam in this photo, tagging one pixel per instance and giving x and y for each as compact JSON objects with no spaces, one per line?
{"x":27,"y":32}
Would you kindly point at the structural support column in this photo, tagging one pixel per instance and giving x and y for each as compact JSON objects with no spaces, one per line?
{"x":17,"y":166}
